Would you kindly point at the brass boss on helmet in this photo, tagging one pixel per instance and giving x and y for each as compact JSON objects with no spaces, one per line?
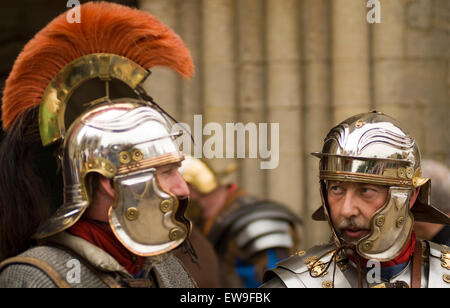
{"x":374,"y":148}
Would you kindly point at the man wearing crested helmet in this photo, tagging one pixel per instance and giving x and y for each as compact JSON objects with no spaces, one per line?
{"x":77,"y":102}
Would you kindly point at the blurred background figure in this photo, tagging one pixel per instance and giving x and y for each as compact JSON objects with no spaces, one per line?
{"x":440,"y":198}
{"x":249,"y":234}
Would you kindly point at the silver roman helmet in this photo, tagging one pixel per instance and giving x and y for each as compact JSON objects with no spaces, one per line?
{"x":121,"y":134}
{"x":374,"y":148}
{"x":124,"y":140}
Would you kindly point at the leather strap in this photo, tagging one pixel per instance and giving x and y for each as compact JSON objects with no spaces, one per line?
{"x":43,"y":266}
{"x":416,"y":272}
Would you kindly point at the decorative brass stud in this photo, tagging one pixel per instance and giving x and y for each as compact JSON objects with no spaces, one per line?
{"x":316,"y":267}
{"x":400,"y":221}
{"x":166,"y":206}
{"x":132,"y":213}
{"x":367,"y":245}
{"x":310,"y":259}
{"x":300,"y":253}
{"x":379,"y":221}
{"x":327,"y":284}
{"x":175,"y":234}
{"x":401,"y":172}
{"x":124,"y":157}
{"x":137,"y":155}
{"x":446,"y":278}
{"x":409,"y":172}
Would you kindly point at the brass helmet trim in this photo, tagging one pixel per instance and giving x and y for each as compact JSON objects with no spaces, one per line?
{"x":99,"y":65}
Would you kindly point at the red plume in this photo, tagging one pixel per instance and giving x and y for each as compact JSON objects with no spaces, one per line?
{"x":103,"y":28}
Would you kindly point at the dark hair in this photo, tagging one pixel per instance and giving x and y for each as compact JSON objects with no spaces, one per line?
{"x":30,"y":184}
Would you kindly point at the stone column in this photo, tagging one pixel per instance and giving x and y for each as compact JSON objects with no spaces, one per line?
{"x":411,"y":56}
{"x":317,"y":108}
{"x":190,"y":29}
{"x":219,"y":68}
{"x":285,"y":183}
{"x":251,"y":84}
{"x":351,"y":71}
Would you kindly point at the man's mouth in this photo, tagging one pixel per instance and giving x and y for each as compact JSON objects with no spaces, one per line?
{"x":355,"y":233}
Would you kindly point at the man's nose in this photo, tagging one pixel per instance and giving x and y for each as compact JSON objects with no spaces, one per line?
{"x":350,"y":205}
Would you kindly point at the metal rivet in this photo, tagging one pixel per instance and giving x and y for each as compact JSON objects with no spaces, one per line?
{"x":409,"y":172}
{"x":311,"y":259}
{"x":165,"y":206}
{"x":367,"y":246}
{"x":400,"y":222}
{"x":300,"y":253}
{"x":132,"y":213}
{"x":175,"y":234}
{"x":401,"y":172}
{"x":124,"y":157}
{"x":327,"y":284}
{"x":379,"y":221}
{"x":137,"y":155}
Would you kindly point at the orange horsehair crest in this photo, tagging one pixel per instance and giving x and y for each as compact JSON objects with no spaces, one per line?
{"x":104,"y":28}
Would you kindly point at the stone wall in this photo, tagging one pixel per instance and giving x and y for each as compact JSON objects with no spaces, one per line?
{"x":308,"y":64}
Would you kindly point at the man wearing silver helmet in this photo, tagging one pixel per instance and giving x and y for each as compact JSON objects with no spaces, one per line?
{"x":78,"y":101}
{"x":372,"y":191}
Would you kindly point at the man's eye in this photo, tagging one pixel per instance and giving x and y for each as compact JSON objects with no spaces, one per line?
{"x":368,"y":191}
{"x":336,"y":188}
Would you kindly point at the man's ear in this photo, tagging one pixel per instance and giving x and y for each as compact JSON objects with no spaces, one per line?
{"x":106,"y":186}
{"x":414,"y":196}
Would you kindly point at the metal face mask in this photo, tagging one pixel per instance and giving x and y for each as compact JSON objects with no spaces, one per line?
{"x":124,"y":140}
{"x":373,"y":148}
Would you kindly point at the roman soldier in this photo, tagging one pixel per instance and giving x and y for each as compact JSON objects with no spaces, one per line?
{"x":372,"y":192}
{"x":91,"y":194}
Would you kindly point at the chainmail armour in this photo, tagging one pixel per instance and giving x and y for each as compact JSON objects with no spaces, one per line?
{"x":94,"y":263}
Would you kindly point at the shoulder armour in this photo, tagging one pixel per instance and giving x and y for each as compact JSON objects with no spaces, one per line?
{"x":305,"y":270}
{"x":255,"y":225}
